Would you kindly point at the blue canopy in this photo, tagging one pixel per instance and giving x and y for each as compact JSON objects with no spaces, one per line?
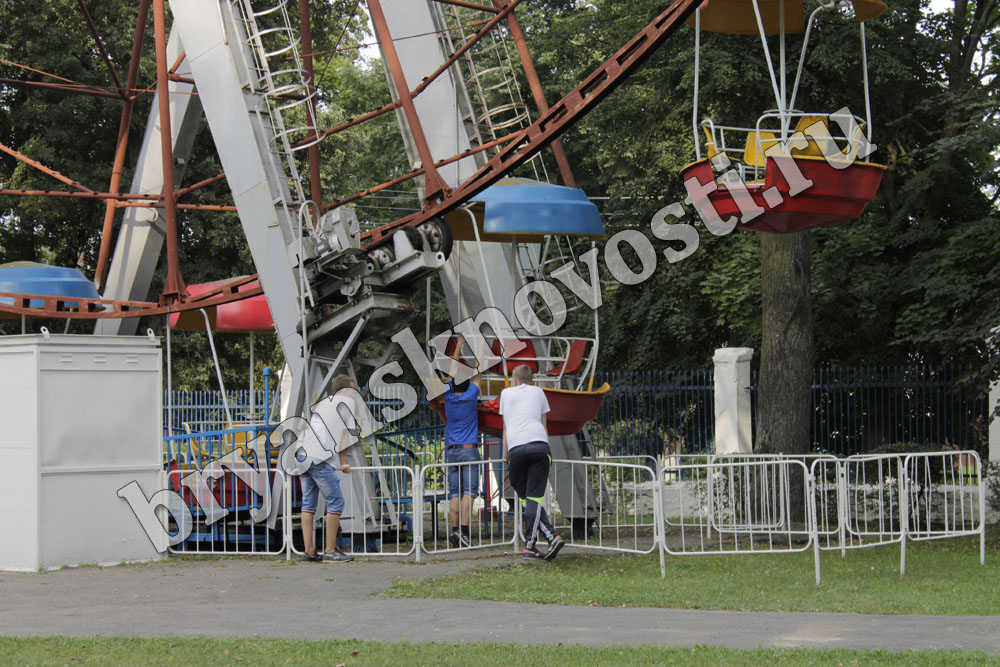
{"x":522,"y":206}
{"x":34,"y":278}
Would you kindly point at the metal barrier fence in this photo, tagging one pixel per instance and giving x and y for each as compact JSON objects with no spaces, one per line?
{"x":225,"y":484}
{"x":748,"y":505}
{"x":889,"y":499}
{"x":668,"y":413}
{"x":655,"y":413}
{"x":378,"y":517}
{"x":854,"y":410}
{"x":955,"y":507}
{"x":604,"y":505}
{"x":490,"y":518}
{"x":230,"y":496}
{"x":194,"y":411}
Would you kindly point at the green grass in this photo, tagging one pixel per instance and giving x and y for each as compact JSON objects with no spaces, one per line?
{"x":258,"y":651}
{"x":942,"y":578}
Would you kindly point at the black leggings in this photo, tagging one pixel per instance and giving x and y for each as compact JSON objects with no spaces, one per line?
{"x":529,"y":473}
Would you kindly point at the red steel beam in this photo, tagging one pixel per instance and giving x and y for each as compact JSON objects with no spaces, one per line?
{"x":177,"y":63}
{"x":100,"y":47}
{"x":469,"y":5}
{"x":180,"y":207}
{"x":354,"y":121}
{"x":173,"y":289}
{"x":560,"y":117}
{"x":417,"y":172}
{"x":453,"y":58}
{"x":45,"y":170}
{"x":93,"y":91}
{"x":435,"y":187}
{"x":121,"y":200}
{"x":99,"y":309}
{"x":123,"y":128}
{"x":200,"y":184}
{"x":536,"y":92}
{"x":315,"y":187}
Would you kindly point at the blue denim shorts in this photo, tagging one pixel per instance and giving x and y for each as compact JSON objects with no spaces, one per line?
{"x":462,"y":480}
{"x":321,"y":478}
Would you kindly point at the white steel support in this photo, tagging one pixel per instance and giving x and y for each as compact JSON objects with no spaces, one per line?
{"x":767,"y":57}
{"x":697,"y":75}
{"x":417,"y":505}
{"x":241,"y":138}
{"x":994,"y":404}
{"x":732,"y":400}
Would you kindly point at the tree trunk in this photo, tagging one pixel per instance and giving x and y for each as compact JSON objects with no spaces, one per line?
{"x":784,"y":404}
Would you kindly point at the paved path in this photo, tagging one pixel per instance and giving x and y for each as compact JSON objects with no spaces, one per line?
{"x":246,"y":597}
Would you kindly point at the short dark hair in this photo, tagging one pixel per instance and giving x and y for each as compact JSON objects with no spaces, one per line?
{"x":459,"y":387}
{"x":340,"y":382}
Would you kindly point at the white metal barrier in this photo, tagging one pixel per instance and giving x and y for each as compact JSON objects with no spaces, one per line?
{"x":492,"y":518}
{"x":606,"y":505}
{"x":873,"y":500}
{"x":751,"y":505}
{"x":945,"y":497}
{"x":867,"y":501}
{"x":372,"y":524}
{"x":230,"y":497}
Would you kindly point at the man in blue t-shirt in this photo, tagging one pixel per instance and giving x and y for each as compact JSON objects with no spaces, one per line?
{"x":461,"y":437}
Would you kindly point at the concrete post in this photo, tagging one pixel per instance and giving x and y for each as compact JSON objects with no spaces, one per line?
{"x":733,"y":433}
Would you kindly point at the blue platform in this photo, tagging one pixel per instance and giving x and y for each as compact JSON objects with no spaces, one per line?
{"x":34,"y":278}
{"x":522,"y":206}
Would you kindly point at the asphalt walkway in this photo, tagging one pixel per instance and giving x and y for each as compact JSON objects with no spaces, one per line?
{"x":273,"y":598}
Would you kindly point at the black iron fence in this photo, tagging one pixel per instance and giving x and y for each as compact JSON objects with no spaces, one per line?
{"x":859,"y":409}
{"x":855,"y":410}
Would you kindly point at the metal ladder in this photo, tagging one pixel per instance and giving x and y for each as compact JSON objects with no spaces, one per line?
{"x":281,"y":99}
{"x":495,"y":78}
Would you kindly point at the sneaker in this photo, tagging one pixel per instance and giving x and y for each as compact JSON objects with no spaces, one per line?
{"x":532,"y":554}
{"x":337,"y":557}
{"x":312,"y":558}
{"x":463,"y":540}
{"x":555,"y":545}
{"x":455,"y":539}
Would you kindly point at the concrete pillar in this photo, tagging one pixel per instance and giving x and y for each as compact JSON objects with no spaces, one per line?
{"x":994,"y":423}
{"x":733,"y":434}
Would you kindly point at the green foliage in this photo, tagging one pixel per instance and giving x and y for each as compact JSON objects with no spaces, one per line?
{"x":992,"y":482}
{"x":915,"y":279}
{"x":909,"y":448}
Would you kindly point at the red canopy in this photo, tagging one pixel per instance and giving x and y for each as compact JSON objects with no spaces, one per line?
{"x":246,"y":316}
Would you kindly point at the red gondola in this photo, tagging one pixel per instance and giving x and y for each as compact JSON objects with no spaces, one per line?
{"x":794,"y":170}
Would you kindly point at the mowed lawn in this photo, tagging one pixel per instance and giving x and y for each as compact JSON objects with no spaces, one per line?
{"x":942,"y":578}
{"x":257,"y":651}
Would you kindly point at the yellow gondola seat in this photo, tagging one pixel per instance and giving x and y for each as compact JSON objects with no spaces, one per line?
{"x":751,"y":156}
{"x":710,"y":146}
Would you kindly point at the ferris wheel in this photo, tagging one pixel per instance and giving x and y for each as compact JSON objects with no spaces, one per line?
{"x":326,"y":275}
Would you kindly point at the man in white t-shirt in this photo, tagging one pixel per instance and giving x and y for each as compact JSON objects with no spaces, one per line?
{"x":328,"y":436}
{"x":526,"y":447}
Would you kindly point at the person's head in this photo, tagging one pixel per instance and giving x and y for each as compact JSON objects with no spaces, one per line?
{"x":340,"y":382}
{"x":521,"y":375}
{"x":459,"y":387}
